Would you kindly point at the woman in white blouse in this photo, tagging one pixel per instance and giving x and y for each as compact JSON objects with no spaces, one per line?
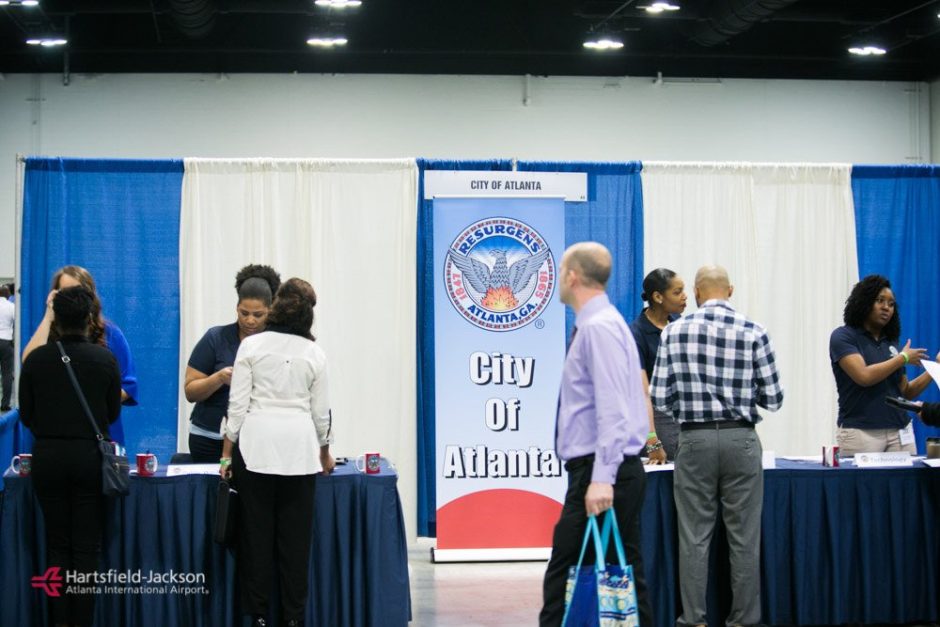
{"x":279,"y":414}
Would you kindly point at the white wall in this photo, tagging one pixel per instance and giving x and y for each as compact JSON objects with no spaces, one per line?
{"x":935,"y":121}
{"x":461,"y":117}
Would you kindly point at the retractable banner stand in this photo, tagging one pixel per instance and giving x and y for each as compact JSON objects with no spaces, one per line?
{"x":499,"y":351}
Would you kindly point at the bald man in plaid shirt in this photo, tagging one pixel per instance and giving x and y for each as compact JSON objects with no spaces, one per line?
{"x":713,"y":370}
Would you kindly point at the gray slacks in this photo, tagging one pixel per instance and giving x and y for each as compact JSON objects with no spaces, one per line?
{"x":719,"y":466}
{"x":667,"y":429}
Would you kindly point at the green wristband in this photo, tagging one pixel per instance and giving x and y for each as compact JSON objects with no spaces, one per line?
{"x":907,"y":359}
{"x":651,"y":435}
{"x":225,"y":461}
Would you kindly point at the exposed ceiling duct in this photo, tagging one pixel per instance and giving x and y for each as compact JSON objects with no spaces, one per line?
{"x":733,"y":17}
{"x":193,"y":18}
{"x":787,"y":39}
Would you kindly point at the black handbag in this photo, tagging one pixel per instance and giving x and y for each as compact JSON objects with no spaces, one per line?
{"x":226,"y":514}
{"x":115,"y":469}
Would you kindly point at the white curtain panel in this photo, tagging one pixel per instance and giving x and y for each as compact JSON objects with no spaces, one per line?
{"x":786,"y":234}
{"x":348,"y":227}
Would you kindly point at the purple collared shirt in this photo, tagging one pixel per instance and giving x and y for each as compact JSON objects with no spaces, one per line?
{"x":602,"y":404}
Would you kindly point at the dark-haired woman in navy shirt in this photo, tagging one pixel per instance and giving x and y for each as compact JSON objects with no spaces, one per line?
{"x":209,"y":371}
{"x":664,"y":291}
{"x":868,"y":366}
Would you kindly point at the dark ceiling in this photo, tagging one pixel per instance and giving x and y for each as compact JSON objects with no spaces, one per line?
{"x":706,"y":38}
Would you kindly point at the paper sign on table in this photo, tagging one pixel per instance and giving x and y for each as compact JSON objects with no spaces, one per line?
{"x":174,"y":470}
{"x":884,"y":460}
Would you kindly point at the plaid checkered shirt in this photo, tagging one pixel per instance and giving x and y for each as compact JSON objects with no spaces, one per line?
{"x":715,"y":364}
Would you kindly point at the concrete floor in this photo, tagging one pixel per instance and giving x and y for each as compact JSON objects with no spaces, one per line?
{"x":494,"y":594}
{"x":499,"y":594}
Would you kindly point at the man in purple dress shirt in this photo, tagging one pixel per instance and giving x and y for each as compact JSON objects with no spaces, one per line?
{"x":604,"y":413}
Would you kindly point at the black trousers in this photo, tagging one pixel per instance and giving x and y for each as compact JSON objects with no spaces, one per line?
{"x":67,"y":480}
{"x":276,"y":525}
{"x":204,"y":450}
{"x":629,"y":491}
{"x":6,"y":372}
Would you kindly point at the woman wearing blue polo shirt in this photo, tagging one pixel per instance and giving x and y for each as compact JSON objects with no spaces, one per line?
{"x":209,"y":372}
{"x":868,"y":366}
{"x":664,"y":291}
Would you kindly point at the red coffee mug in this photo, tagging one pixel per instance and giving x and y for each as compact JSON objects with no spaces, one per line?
{"x":147,"y":464}
{"x":22,"y":464}
{"x":370,"y":463}
{"x":830,"y":456}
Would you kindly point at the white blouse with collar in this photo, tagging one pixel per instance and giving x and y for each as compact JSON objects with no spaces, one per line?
{"x":278,"y":409}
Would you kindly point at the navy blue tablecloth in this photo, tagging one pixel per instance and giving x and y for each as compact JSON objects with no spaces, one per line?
{"x":838,"y":545}
{"x":358,"y":568}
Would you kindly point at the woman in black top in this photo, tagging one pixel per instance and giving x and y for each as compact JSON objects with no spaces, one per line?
{"x":664,"y":291}
{"x":930,"y":414}
{"x":66,"y":461}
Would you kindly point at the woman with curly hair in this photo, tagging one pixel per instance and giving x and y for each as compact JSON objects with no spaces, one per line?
{"x":209,"y":371}
{"x":279,"y":414}
{"x":101,"y":331}
{"x":868,"y":366}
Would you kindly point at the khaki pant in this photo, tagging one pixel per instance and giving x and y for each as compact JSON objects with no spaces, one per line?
{"x":852,"y":441}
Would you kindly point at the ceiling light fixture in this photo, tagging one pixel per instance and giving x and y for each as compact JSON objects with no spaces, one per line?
{"x":338,"y":4}
{"x":19,"y":3}
{"x":327,"y":42}
{"x":867,"y":51}
{"x":660,"y":7}
{"x":603,"y":43}
{"x":47,"y":42}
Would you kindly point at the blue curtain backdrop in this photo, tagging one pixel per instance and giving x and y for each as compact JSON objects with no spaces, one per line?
{"x":613,"y":216}
{"x":120,"y":220}
{"x":427,"y":498}
{"x":897,"y":219}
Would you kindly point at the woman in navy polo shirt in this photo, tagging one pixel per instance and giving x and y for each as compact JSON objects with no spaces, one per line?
{"x":209,"y":372}
{"x":664,"y":291}
{"x":868,"y":366}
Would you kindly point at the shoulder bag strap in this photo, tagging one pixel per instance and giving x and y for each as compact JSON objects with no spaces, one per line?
{"x":78,"y":390}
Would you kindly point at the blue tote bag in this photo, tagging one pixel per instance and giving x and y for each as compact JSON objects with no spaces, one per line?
{"x":602,"y":595}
